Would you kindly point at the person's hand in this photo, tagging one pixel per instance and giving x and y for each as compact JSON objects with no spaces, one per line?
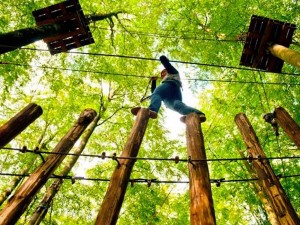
{"x":153,"y":78}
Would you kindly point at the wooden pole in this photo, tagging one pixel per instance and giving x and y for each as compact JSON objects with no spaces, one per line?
{"x":201,"y":202}
{"x":18,"y":123}
{"x":23,"y":196}
{"x":287,"y":55}
{"x":289,"y":126}
{"x":41,"y":211}
{"x":278,"y":198}
{"x":112,"y":202}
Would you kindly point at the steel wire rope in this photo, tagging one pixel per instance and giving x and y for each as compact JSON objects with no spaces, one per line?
{"x":175,"y":159}
{"x":214,"y":119}
{"x":276,"y":136}
{"x":167,"y":35}
{"x":140,"y":76}
{"x":149,"y":181}
{"x":154,"y":215}
{"x":153,"y":59}
{"x":139,"y":58}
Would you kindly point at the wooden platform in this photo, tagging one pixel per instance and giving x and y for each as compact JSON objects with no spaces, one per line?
{"x":263,"y":31}
{"x":68,"y":11}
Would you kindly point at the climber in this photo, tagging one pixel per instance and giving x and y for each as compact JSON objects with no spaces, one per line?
{"x":169,"y":92}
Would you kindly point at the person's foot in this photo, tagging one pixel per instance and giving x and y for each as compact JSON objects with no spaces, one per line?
{"x":202,"y":117}
{"x":135,"y":110}
{"x":152,"y":115}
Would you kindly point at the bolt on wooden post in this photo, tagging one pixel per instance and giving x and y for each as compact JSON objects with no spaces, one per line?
{"x":19,"y":122}
{"x":271,"y":185}
{"x":24,"y":195}
{"x":201,"y":202}
{"x":112,"y":202}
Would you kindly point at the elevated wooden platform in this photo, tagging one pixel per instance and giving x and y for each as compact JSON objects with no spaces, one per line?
{"x":69,"y":12}
{"x":261,"y":33}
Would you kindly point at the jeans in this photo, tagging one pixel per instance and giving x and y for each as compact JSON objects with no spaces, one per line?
{"x":169,"y":92}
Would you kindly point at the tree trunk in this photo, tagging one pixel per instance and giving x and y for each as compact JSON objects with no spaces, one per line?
{"x":19,"y":122}
{"x":280,"y":202}
{"x":112,"y":202}
{"x":258,"y":189}
{"x":23,"y":196}
{"x":16,"y":39}
{"x":289,"y":126}
{"x":287,"y":55}
{"x":202,"y":210}
{"x":51,"y":191}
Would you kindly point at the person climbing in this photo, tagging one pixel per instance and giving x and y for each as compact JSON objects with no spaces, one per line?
{"x":169,"y":92}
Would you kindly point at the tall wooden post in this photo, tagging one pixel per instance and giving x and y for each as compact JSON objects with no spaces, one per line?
{"x":18,"y":123}
{"x":201,"y":202}
{"x":286,"y":122}
{"x":280,"y":202}
{"x":112,"y":202}
{"x":23,"y":196}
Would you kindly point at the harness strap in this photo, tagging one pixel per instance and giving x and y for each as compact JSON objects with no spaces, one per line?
{"x":144,"y":96}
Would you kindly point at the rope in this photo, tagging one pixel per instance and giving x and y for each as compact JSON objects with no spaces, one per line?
{"x":175,"y":159}
{"x":150,"y":181}
{"x":152,"y":59}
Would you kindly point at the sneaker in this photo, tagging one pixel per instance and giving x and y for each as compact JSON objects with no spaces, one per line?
{"x":153,"y":114}
{"x":202,"y":117}
{"x":135,"y":110}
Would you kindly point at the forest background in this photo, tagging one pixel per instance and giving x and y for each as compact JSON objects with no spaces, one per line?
{"x":203,"y":38}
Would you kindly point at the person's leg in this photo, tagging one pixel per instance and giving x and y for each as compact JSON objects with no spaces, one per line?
{"x":155,"y":103}
{"x":175,"y":103}
{"x":184,"y":109}
{"x":159,"y":94}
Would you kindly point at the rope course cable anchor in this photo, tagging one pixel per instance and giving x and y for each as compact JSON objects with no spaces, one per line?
{"x":176,"y":159}
{"x":219,"y":181}
{"x":191,"y":161}
{"x":114,"y":157}
{"x":103,"y":156}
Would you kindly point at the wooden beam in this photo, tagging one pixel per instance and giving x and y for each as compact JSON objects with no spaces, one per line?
{"x":24,"y":195}
{"x":289,"y":126}
{"x":287,"y":55}
{"x":19,"y":122}
{"x":112,"y":202}
{"x":278,"y":198}
{"x":201,"y":202}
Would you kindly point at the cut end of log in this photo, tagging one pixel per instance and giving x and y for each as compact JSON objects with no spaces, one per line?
{"x":239,"y":115}
{"x":201,"y":117}
{"x":87,"y":116}
{"x":152,"y":114}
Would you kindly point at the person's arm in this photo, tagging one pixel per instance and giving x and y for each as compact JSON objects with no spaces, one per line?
{"x":153,"y":83}
{"x":166,"y":63}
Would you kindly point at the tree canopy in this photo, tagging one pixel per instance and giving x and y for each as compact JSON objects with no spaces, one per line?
{"x":202,"y":39}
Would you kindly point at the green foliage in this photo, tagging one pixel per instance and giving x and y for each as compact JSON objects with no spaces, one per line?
{"x":111,"y":76}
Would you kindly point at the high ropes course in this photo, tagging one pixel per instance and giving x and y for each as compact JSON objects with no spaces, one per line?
{"x":266,"y":49}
